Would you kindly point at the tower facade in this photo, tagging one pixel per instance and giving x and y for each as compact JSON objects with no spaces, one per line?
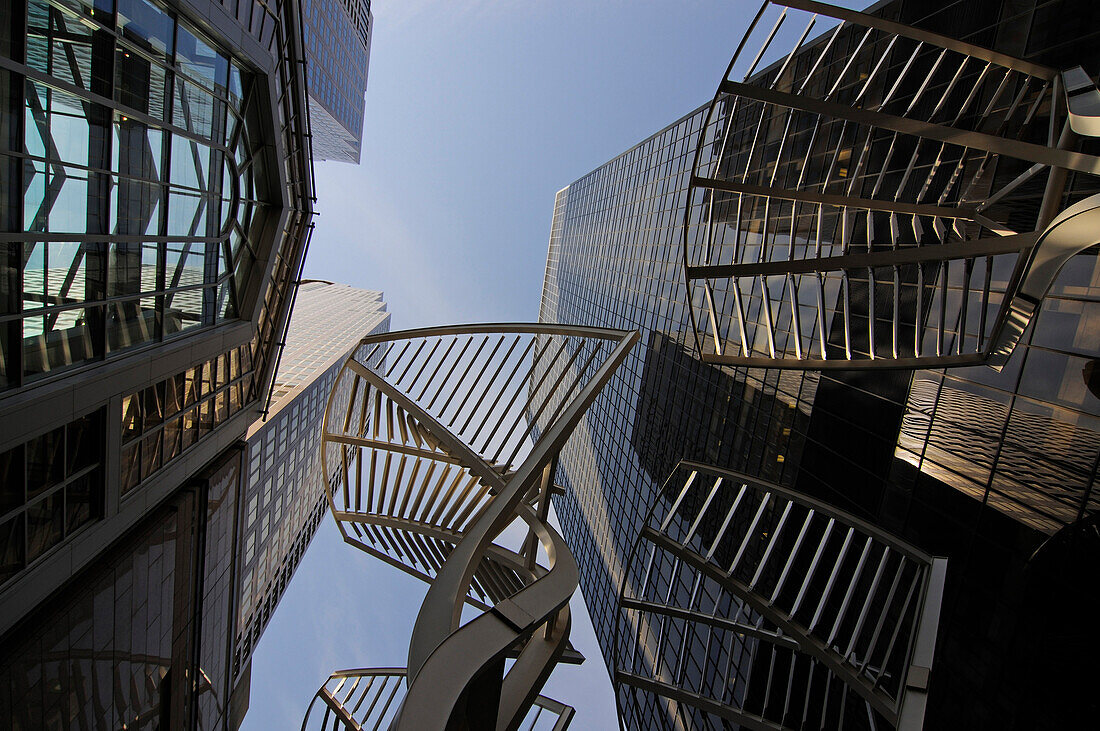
{"x":157,"y":200}
{"x":284,"y":496}
{"x":992,"y":469}
{"x":338,"y":35}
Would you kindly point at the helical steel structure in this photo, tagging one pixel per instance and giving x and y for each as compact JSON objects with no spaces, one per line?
{"x":441,"y":444}
{"x":847,"y":200}
{"x":751,"y":603}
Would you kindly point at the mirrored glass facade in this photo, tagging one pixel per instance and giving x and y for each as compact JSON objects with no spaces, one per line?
{"x":993,"y":470}
{"x":129,"y":142}
{"x":52,"y":486}
{"x":337,"y":35}
{"x":156,"y":193}
{"x":114,"y":650}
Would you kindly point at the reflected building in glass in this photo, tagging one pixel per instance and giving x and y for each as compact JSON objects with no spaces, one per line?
{"x":338,"y":35}
{"x":994,"y":470}
{"x":157,"y":195}
{"x":284,"y":496}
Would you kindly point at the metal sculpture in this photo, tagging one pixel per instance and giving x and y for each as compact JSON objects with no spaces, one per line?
{"x":432,"y":435}
{"x":756,"y":604}
{"x":845,"y":206}
{"x":370,"y":698}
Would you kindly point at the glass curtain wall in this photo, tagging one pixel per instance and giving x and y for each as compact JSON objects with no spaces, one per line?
{"x":128,"y":182}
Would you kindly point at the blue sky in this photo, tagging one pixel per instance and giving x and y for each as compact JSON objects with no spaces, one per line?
{"x":477,"y":112}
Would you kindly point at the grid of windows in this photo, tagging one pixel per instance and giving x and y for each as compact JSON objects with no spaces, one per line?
{"x":164,"y":420}
{"x":284,"y":494}
{"x":142,"y":170}
{"x":337,"y":34}
{"x":101,"y":654}
{"x":1025,"y":441}
{"x":126,"y":135}
{"x":51,"y":486}
{"x":139,"y":640}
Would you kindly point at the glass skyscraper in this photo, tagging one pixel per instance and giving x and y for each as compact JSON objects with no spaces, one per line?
{"x":994,"y":470}
{"x":338,"y":35}
{"x":157,"y":194}
{"x":284,"y":496}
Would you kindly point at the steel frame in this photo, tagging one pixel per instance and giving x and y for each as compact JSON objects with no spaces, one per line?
{"x":832,"y":247}
{"x":237,"y":155}
{"x":431,"y":436}
{"x":370,"y":698}
{"x":777,"y":600}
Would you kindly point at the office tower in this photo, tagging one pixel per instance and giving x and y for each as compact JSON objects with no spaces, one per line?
{"x":993,"y":470}
{"x":157,"y":197}
{"x":284,"y":496}
{"x":337,"y":35}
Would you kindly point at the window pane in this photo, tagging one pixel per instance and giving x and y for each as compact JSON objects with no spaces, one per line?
{"x":130,"y":469}
{"x":132,"y":268}
{"x":11,"y":479}
{"x":196,"y":110}
{"x":1057,"y":378}
{"x":207,"y":380}
{"x":190,"y":427}
{"x":44,"y":525}
{"x":137,"y":157}
{"x":191,"y":385}
{"x":173,"y":395}
{"x":222,"y":408}
{"x":196,"y":58}
{"x":82,"y":443}
{"x":172,"y":443}
{"x":45,"y":461}
{"x":132,"y":323}
{"x":235,"y":398}
{"x":185,"y":267}
{"x":146,"y":24}
{"x":140,"y":83}
{"x":206,"y":418}
{"x":150,"y":454}
{"x":11,"y":547}
{"x":83,"y":500}
{"x":60,"y":339}
{"x":153,"y":405}
{"x":186,"y":212}
{"x":132,"y":419}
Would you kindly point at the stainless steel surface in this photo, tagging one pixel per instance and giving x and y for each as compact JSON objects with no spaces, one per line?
{"x":430,"y":477}
{"x":823,"y":610}
{"x":371,"y":698}
{"x":840,"y":218}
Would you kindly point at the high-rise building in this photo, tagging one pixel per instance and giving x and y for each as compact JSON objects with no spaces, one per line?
{"x":157,"y":201}
{"x":994,"y":470}
{"x":338,"y":34}
{"x":284,"y":496}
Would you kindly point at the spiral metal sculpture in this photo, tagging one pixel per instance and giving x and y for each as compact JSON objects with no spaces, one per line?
{"x":369,"y":698}
{"x":431,"y":435}
{"x":846,"y":201}
{"x":753,"y":603}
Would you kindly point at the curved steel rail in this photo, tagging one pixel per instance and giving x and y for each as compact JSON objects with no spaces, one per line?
{"x":842,"y":217}
{"x":799,"y":614}
{"x":368,"y":698}
{"x":432,"y":435}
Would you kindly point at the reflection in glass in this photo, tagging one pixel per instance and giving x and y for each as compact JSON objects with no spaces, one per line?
{"x":82,"y":502}
{"x":12,"y":557}
{"x":90,"y":169}
{"x":45,"y":461}
{"x":45,"y":525}
{"x":11,"y":479}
